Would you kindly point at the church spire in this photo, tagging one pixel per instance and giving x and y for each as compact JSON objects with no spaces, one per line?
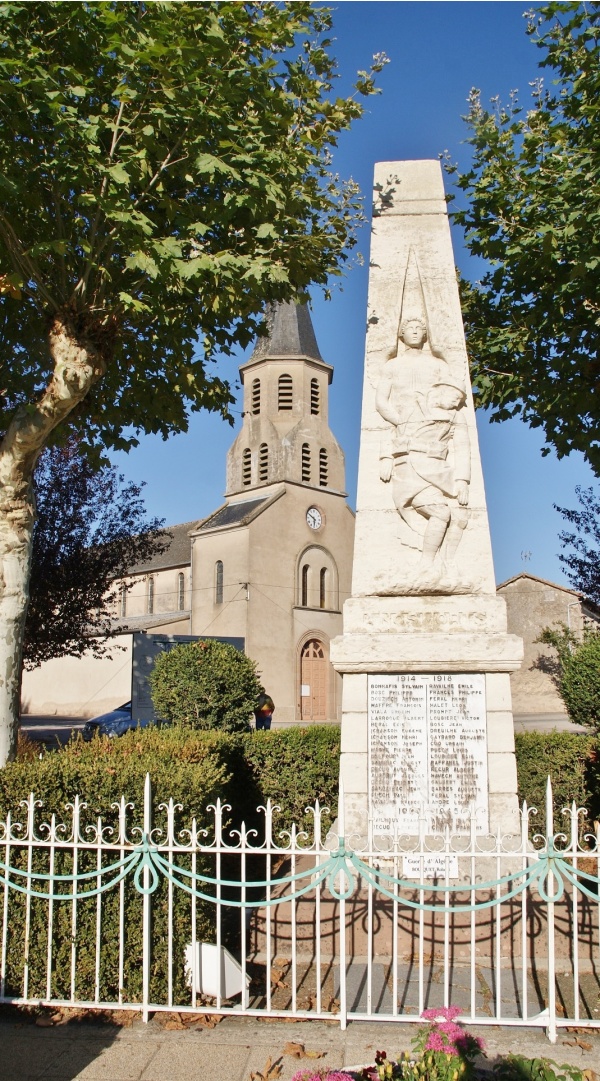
{"x":290,"y":333}
{"x":285,"y":436}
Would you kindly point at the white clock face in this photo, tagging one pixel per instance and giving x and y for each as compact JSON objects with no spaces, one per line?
{"x":314,"y":518}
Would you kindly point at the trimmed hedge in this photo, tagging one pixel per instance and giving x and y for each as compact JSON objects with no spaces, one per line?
{"x":291,"y":767}
{"x":294,"y":767}
{"x":194,"y":768}
{"x":100,"y":772}
{"x":570,"y":760}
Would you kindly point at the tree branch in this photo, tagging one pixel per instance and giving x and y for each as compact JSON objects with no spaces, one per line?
{"x":83,"y":281}
{"x":23,"y":262}
{"x":77,"y":366}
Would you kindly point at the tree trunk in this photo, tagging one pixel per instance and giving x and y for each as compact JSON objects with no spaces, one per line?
{"x":77,"y":366}
{"x":16,"y":531}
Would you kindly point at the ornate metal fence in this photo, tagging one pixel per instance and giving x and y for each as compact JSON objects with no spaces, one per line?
{"x":112,"y":913}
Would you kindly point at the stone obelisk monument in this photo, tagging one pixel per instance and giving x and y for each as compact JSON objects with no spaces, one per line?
{"x":427,"y":728}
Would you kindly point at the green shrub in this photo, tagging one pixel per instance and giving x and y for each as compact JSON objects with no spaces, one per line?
{"x":578,"y":672}
{"x":294,"y":767}
{"x":205,"y":684}
{"x":569,"y":760}
{"x":580,"y":681}
{"x":101,"y":772}
{"x":194,"y":768}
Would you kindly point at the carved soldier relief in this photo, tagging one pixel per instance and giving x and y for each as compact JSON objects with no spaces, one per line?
{"x":425,"y":457}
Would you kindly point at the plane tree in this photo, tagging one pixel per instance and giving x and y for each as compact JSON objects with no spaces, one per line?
{"x":164,"y":171}
{"x":532,"y":212}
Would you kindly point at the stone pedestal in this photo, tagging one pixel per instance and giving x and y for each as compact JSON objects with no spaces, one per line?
{"x":427,"y":728}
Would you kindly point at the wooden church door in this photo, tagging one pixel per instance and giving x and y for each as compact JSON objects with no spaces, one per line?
{"x":313,"y":677}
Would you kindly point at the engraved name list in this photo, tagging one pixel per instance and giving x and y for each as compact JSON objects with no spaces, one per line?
{"x":427,"y":752}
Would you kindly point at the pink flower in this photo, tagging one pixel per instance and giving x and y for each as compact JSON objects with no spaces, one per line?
{"x":439,"y":1013}
{"x":436,"y":1042}
{"x":330,"y":1075}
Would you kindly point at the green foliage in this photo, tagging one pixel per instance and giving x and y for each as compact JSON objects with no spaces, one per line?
{"x":101,"y":772}
{"x":296,"y":766}
{"x":205,"y":684}
{"x":520,"y":1068}
{"x":194,"y":768}
{"x":579,"y":672}
{"x":164,"y":171}
{"x":569,"y":760}
{"x":90,"y":529}
{"x":533,"y":213}
{"x":582,"y":556}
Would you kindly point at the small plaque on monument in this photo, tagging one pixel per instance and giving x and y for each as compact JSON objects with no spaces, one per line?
{"x":427,"y":753}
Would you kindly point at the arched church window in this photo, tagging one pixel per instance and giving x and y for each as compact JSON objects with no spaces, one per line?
{"x":150,"y":596}
{"x":247,"y":467}
{"x":323,"y":470}
{"x":219,"y":582}
{"x":305,"y":462}
{"x":323,"y":587}
{"x":123,"y":599}
{"x":304,"y":587}
{"x":285,"y":392}
{"x":263,"y":462}
{"x":180,"y":592}
{"x":314,"y":397}
{"x":256,"y":397}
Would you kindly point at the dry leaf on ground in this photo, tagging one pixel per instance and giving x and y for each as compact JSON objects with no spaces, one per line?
{"x":271,"y":1071}
{"x":297,"y":1050}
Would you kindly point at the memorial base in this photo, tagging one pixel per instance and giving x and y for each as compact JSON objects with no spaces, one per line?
{"x":427,"y":725}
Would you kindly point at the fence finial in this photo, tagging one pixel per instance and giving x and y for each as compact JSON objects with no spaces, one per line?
{"x":341,"y":810}
{"x":549,"y":809}
{"x":147,"y":805}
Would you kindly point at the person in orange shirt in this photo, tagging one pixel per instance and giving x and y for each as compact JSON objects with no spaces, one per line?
{"x":264,"y":711}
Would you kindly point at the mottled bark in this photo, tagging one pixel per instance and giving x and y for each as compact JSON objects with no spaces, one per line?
{"x":77,"y":365}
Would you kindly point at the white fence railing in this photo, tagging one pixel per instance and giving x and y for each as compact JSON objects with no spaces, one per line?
{"x":142,"y":915}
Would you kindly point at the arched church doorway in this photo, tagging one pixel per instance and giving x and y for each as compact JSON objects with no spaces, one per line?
{"x":313,"y":680}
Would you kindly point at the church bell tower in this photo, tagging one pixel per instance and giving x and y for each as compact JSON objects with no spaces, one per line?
{"x":272,"y":565}
{"x":285,"y":436}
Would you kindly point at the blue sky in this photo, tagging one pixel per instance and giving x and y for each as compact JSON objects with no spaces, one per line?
{"x":437,"y":51}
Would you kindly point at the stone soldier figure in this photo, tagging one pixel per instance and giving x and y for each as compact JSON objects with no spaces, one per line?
{"x":427,"y":455}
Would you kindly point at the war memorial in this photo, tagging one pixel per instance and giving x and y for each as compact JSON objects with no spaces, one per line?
{"x":427,"y":726}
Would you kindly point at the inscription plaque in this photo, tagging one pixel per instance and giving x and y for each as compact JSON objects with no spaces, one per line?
{"x":427,"y":752}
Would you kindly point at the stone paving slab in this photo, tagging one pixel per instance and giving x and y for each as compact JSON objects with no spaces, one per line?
{"x":433,"y":990}
{"x":197,"y":1060}
{"x":107,"y":1064}
{"x":237,"y":1046}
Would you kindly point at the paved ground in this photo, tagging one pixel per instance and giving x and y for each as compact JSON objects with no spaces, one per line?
{"x":235,"y":1049}
{"x":546,"y":722}
{"x":50,"y":730}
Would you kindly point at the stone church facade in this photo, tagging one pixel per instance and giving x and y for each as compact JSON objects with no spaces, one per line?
{"x":272,"y":564}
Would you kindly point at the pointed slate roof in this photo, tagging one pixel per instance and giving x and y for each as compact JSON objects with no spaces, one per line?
{"x":290,"y":333}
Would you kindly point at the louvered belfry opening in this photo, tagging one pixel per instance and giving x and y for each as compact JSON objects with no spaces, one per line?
{"x":305,"y":463}
{"x":247,"y":467}
{"x":256,"y":397}
{"x":263,"y":462}
{"x":323,"y":468}
{"x":285,"y":393}
{"x":315,"y":401}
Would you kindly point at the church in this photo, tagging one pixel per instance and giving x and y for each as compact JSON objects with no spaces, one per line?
{"x":271,"y":565}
